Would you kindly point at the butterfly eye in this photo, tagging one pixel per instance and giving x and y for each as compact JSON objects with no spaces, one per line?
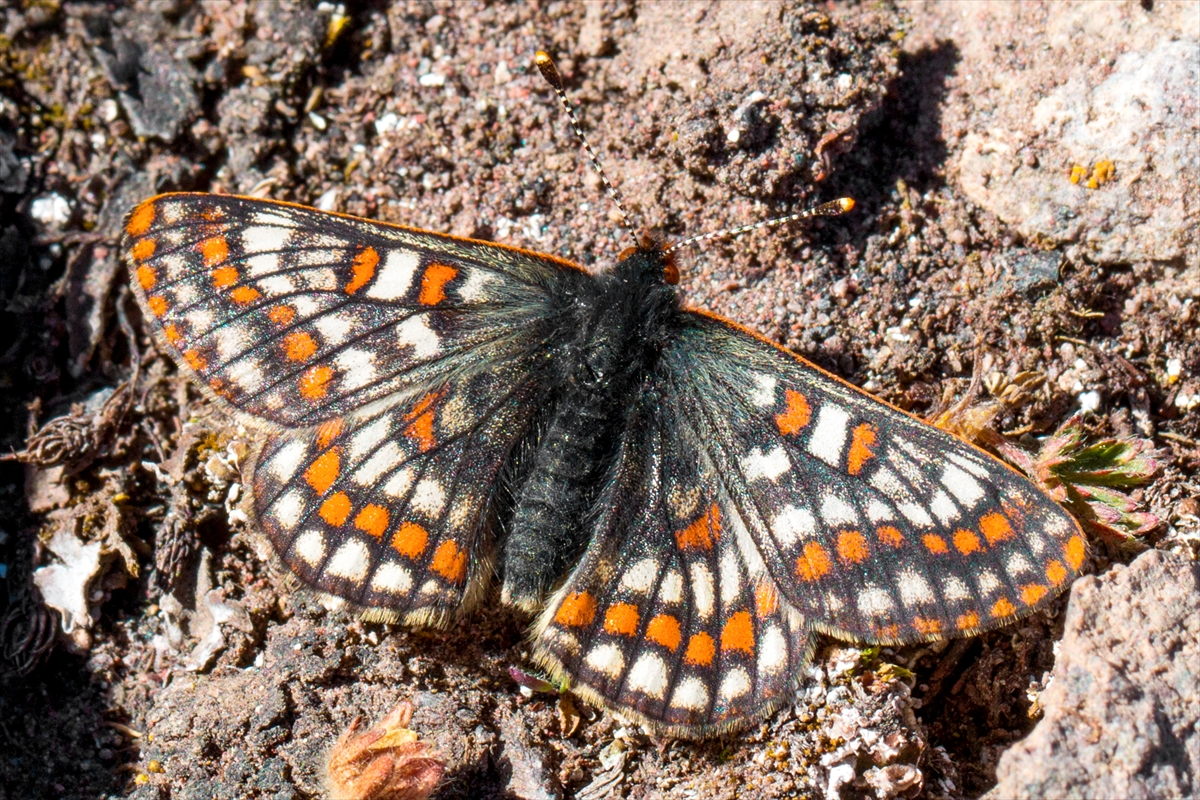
{"x":626,"y":253}
{"x":670,"y":271}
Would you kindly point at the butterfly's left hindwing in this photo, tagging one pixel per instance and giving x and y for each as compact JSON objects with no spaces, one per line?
{"x":394,"y":369}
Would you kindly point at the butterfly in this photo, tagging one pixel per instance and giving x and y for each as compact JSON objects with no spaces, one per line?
{"x":683,"y":504}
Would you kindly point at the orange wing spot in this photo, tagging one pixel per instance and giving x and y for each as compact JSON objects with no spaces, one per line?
{"x":967,"y":621}
{"x":214,"y":251}
{"x":1075,"y":551}
{"x":935,"y":544}
{"x":888,"y":631}
{"x":1056,"y":573}
{"x":797,"y":414}
{"x":411,"y":540}
{"x":1003,"y":608}
{"x":578,"y":610}
{"x":813,"y":563}
{"x":224,"y":277}
{"x":995,"y":528}
{"x":245,"y":295}
{"x":926,"y":627}
{"x":282,"y":315}
{"x":299,"y":346}
{"x":433,"y":284}
{"x":966,"y":542}
{"x":172,"y":334}
{"x":220,"y":388}
{"x":373,"y":520}
{"x":738,"y":634}
{"x":621,"y":619}
{"x":861,"y":442}
{"x":364,"y":269}
{"x":702,"y":533}
{"x":1032,"y":593}
{"x":158,"y":305}
{"x":146,"y":277}
{"x":852,"y":546}
{"x":890,"y":535}
{"x":314,"y":383}
{"x":141,"y":219}
{"x":335,"y":509}
{"x":664,"y":630}
{"x":143,"y":249}
{"x":766,"y":600}
{"x":420,"y":419}
{"x":701,"y":650}
{"x":323,"y":471}
{"x":195,"y":360}
{"x":449,"y":562}
{"x":328,"y":431}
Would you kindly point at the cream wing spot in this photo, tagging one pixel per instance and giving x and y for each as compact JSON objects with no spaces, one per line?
{"x":672,"y":588}
{"x":640,"y":577}
{"x":828,"y":438}
{"x":691,"y":693}
{"x":265,"y":238}
{"x":759,"y":465}
{"x":246,"y":373}
{"x":334,"y":327}
{"x":702,"y":590}
{"x":954,"y":589}
{"x":395,"y":276}
{"x":271,"y":218}
{"x":874,"y":602}
{"x":429,"y":498}
{"x":735,"y":684}
{"x":964,"y":488}
{"x":943,"y":507}
{"x":731,"y":579}
{"x":969,"y":464}
{"x":764,"y":391}
{"x":416,"y":333}
{"x":916,"y":514}
{"x":310,"y":546}
{"x":288,"y":509}
{"x":792,"y":524}
{"x":277,"y":285}
{"x":284,"y":464}
{"x":1017,"y":564}
{"x":398,"y":485}
{"x":987,"y":582}
{"x":606,"y":659}
{"x":351,"y":561}
{"x":914,"y":589}
{"x":773,"y":651}
{"x":380,"y":462}
{"x":648,"y":676}
{"x":836,"y":511}
{"x":393,"y":578}
{"x":473,"y":286}
{"x":878,"y":511}
{"x":357,"y":367}
{"x":369,"y":437}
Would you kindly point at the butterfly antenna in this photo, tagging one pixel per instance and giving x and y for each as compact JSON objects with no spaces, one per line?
{"x":833,"y":208}
{"x":546,"y":66}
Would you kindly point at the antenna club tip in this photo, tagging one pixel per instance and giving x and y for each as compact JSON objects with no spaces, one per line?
{"x":545,"y":65}
{"x":542,"y":58}
{"x":845,"y":203}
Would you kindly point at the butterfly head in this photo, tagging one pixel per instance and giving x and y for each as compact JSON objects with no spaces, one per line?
{"x":649,"y":262}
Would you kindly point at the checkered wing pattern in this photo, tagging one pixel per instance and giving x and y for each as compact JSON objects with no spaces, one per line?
{"x":295,"y":316}
{"x":873,"y":525}
{"x":671,"y":615}
{"x":394,"y":369}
